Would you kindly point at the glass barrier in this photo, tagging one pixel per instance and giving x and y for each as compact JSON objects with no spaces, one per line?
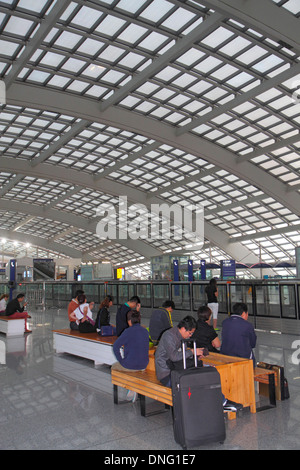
{"x":123,"y":293}
{"x":267,"y":300}
{"x":143,"y":291}
{"x":161,"y":292}
{"x":241,"y":293}
{"x":181,"y":296}
{"x":264,"y":298}
{"x":198,"y":296}
{"x":288,"y":301}
{"x":223,"y":298}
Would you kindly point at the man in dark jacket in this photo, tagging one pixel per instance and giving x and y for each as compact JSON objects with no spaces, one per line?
{"x":15,"y":310}
{"x":133,"y":303}
{"x":161,"y":320}
{"x":132,"y":348}
{"x":238,"y":335}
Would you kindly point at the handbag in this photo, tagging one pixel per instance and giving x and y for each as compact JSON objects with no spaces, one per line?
{"x":282,"y":387}
{"x":107,"y":330}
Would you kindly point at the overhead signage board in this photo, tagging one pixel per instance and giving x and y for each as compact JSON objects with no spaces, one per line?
{"x":228,"y":269}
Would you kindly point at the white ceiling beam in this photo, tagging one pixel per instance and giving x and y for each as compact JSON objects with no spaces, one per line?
{"x":22,"y":223}
{"x":41,"y":243}
{"x":138,"y":246}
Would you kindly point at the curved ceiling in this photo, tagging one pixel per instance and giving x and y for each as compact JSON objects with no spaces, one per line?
{"x":177,"y":102}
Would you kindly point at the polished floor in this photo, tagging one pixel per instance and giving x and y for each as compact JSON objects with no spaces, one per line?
{"x":60,"y":402}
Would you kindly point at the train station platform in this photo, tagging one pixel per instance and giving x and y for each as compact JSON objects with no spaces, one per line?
{"x":62,"y":402}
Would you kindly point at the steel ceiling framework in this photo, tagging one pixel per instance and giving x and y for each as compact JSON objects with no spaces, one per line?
{"x":164,"y":101}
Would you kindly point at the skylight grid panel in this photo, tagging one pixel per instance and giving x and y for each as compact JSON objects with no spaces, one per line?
{"x":208,"y":64}
{"x":156,"y":10}
{"x":179,"y":20}
{"x":190,"y":57}
{"x":154,"y":42}
{"x":86,"y":18}
{"x":9,"y":49}
{"x":217,"y":37}
{"x":184,"y":80}
{"x":268,"y":63}
{"x":34,"y":6}
{"x":110,"y":26}
{"x":67,"y":41}
{"x":292,"y":6}
{"x":19,"y":27}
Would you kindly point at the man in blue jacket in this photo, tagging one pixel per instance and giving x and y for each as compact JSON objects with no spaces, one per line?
{"x":238,"y":335}
{"x":132,"y":347}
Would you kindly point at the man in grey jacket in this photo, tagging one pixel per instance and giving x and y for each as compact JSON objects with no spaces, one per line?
{"x":169,"y":348}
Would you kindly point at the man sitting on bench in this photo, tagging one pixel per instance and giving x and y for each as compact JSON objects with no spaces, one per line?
{"x":132,"y":347}
{"x":169,"y":351}
{"x":14,"y":310}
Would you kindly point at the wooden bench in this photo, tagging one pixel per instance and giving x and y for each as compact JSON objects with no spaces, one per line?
{"x":88,"y":345}
{"x":236,"y":380}
{"x":145,"y":384}
{"x":12,"y":326}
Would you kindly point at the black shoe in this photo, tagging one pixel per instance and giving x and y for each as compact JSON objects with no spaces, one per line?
{"x":229,"y":405}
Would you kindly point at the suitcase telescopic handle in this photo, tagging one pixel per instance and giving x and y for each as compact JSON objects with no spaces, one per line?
{"x":184,"y":341}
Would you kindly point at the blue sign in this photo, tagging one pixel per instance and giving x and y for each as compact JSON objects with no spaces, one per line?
{"x":190,"y":270}
{"x":12,"y":269}
{"x":176,"y":269}
{"x":12,"y":276}
{"x":228,"y":270}
{"x":203,"y":269}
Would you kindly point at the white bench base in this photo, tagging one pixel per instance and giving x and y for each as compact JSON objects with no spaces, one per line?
{"x":99,"y":352}
{"x":12,"y":326}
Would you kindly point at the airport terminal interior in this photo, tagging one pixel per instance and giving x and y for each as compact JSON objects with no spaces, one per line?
{"x":146,"y":146}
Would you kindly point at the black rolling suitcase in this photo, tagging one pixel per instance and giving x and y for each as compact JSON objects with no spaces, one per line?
{"x":198,"y":416}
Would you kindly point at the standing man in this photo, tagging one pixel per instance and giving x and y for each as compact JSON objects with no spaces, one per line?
{"x":133,"y":303}
{"x":238,"y":335}
{"x":161,"y":320}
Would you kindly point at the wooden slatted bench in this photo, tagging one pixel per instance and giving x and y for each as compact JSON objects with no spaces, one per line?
{"x":88,"y":345}
{"x":12,"y":326}
{"x":145,"y":384}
